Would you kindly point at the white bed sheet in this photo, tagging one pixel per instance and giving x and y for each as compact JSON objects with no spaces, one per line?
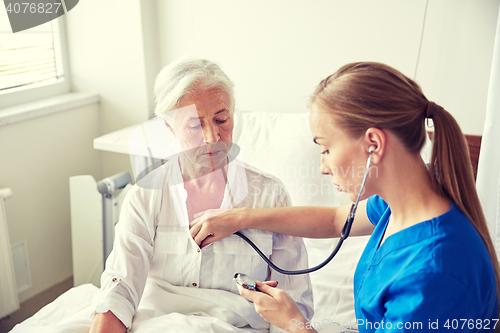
{"x":67,"y":313}
{"x":332,"y":287}
{"x":185,"y":312}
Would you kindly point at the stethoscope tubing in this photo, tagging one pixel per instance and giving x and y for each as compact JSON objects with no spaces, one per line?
{"x":346,"y":229}
{"x":297,"y":272}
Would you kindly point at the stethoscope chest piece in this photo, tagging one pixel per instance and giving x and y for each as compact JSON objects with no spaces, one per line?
{"x":245,"y":281}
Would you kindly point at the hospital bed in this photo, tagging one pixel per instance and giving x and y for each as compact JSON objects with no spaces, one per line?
{"x":277,"y":143}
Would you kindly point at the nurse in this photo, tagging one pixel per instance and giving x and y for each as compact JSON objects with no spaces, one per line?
{"x":430,"y":262}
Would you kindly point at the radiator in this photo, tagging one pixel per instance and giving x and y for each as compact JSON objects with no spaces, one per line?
{"x":9,"y":301}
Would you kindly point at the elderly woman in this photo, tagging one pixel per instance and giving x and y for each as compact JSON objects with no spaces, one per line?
{"x":156,"y":271}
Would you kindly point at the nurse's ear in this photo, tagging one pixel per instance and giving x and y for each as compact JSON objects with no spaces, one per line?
{"x":376,"y":138}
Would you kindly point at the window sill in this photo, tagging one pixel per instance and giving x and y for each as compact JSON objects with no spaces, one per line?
{"x":27,"y":111}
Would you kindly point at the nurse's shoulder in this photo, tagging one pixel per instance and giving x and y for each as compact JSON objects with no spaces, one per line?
{"x":460,"y":249}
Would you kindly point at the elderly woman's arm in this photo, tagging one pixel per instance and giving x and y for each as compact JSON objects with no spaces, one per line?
{"x":107,"y":323}
{"x":127,"y":267}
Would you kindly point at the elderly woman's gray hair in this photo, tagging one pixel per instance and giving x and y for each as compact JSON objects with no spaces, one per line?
{"x":185,"y":76}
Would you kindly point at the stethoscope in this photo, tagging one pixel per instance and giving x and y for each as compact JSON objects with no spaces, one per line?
{"x":247,"y":282}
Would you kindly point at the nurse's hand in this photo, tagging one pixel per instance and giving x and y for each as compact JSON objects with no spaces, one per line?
{"x":276,"y":307}
{"x":215,"y":224}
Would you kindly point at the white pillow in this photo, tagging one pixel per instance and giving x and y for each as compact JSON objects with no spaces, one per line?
{"x":281,"y":144}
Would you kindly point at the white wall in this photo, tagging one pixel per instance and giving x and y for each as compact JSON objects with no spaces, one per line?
{"x":106,"y":56}
{"x":37,"y":158}
{"x":456,"y":57}
{"x":277,"y":52}
{"x":106,"y":51}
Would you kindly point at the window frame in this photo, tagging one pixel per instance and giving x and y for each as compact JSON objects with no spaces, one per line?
{"x":27,"y":95}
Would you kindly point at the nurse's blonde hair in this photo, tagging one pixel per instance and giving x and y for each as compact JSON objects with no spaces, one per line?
{"x":370,"y":94}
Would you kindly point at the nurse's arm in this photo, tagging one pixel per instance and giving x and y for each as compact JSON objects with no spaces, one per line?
{"x":302,"y":221}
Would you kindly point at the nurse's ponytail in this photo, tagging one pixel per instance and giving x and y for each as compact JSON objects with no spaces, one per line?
{"x":369,"y":94}
{"x":452,"y":175}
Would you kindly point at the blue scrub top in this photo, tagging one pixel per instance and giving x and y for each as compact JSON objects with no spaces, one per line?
{"x":436,"y":275}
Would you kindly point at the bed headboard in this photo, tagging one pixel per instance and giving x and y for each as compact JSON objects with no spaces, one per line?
{"x":474,"y":142}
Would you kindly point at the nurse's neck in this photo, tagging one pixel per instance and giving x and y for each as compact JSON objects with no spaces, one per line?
{"x":405,"y":185}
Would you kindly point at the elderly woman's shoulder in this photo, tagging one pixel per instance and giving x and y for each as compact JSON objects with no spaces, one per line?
{"x":149,"y":185}
{"x":262,"y":177}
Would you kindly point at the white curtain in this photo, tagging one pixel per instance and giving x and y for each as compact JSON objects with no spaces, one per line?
{"x":488,"y":175}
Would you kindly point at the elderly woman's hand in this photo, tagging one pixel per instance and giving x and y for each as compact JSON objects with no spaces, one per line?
{"x":276,"y":307}
{"x":215,"y":224}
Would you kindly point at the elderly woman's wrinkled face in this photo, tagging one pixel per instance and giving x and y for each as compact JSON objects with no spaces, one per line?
{"x":204,"y":127}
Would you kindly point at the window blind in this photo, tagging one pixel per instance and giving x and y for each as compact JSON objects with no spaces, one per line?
{"x":30,"y":58}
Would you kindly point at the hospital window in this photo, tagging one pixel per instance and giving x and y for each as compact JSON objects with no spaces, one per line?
{"x":32,"y":62}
